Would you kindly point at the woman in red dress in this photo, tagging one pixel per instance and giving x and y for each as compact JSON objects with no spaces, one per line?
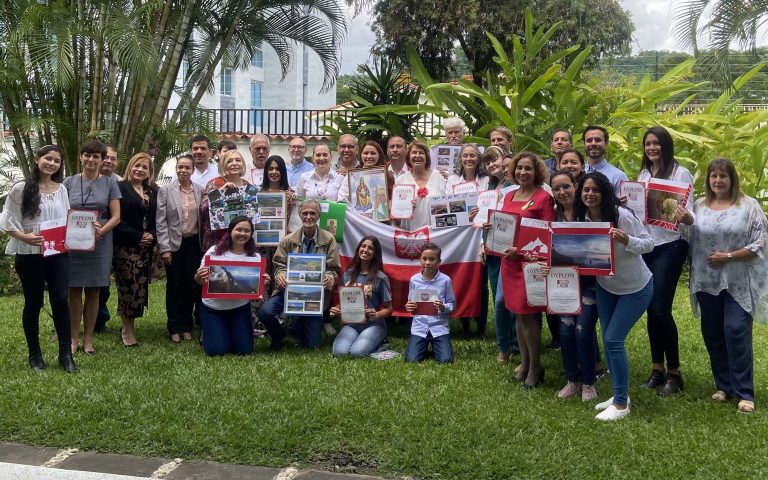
{"x":529,"y":201}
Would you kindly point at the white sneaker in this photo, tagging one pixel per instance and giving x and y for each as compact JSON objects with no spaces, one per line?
{"x":612,"y":413}
{"x":603,"y":405}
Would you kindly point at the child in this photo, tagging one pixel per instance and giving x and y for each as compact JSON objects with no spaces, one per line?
{"x":430,"y":328}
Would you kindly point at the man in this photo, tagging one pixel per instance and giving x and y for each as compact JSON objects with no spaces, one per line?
{"x":226,"y":145}
{"x":501,"y":137}
{"x":200,"y":149}
{"x":396,"y":157}
{"x":347,"y":151}
{"x":562,"y":140}
{"x":108,"y":166}
{"x":595,"y":142}
{"x":297,"y":150}
{"x":454,"y":130}
{"x":308,"y":239}
{"x":259,"y":148}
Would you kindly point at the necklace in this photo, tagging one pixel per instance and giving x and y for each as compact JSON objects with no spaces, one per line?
{"x":83,"y":201}
{"x":321,"y":193}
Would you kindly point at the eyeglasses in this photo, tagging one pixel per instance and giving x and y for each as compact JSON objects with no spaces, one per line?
{"x":347,"y":146}
{"x":297,"y":147}
{"x":567,"y":186}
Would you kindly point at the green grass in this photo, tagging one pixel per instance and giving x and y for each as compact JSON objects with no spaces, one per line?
{"x":462,"y":421}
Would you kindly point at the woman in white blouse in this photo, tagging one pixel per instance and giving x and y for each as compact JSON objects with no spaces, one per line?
{"x":470,"y":170}
{"x":39,"y":199}
{"x":427,"y":181}
{"x":321,"y":183}
{"x":665,"y":262}
{"x":729,"y":280}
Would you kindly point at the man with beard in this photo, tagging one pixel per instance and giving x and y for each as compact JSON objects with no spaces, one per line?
{"x":347,"y":150}
{"x":562,"y":140}
{"x":595,"y":142}
{"x":200,"y":150}
{"x":396,"y":157}
{"x":259,"y":153}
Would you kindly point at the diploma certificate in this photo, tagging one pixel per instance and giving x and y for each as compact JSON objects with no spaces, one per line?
{"x":535,"y":285}
{"x":425,"y":300}
{"x":487,"y":200}
{"x":563,"y":291}
{"x":635,"y":193}
{"x":501,"y":236}
{"x":81,"y":234}
{"x":402,"y":198}
{"x":352,"y":304}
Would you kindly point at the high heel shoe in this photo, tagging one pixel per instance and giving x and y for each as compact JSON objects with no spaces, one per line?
{"x":539,"y":381}
{"x":67,"y":362}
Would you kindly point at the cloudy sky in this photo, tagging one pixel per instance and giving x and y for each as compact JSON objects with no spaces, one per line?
{"x":651,"y":19}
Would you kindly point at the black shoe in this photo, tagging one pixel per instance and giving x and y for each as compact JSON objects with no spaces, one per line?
{"x":36,"y":362}
{"x":553,"y":345}
{"x":67,"y":363}
{"x":539,"y":381}
{"x":655,"y":379}
{"x":672,"y":386}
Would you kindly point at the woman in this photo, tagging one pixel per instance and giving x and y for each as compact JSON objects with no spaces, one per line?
{"x":134,"y":243}
{"x":227,"y":323}
{"x":426,"y":180}
{"x":231,"y":170}
{"x":371,"y":155}
{"x":578,"y":342}
{"x":622,"y":298}
{"x":366,"y":271}
{"x":665,"y":262}
{"x":178,"y":241}
{"x":530,"y":200}
{"x":728,"y":280}
{"x":90,"y":270}
{"x":276,"y":180}
{"x":320,"y":183}
{"x":572,"y":161}
{"x":471,"y":169}
{"x":40,"y":199}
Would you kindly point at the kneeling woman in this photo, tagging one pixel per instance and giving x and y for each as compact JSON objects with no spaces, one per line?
{"x":622,"y":298}
{"x":360,"y":339}
{"x":227,"y":323}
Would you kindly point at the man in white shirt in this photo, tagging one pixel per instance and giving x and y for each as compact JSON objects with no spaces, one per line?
{"x":200,"y":149}
{"x":595,"y":143}
{"x":297,"y":149}
{"x":259,"y":148}
{"x":347,"y":151}
{"x":396,"y":157}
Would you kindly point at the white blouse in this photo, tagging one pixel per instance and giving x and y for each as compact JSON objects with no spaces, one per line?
{"x":53,"y":206}
{"x":482,"y":183}
{"x":630,"y":272}
{"x":312,"y":185}
{"x":662,"y":235}
{"x":435,"y":186}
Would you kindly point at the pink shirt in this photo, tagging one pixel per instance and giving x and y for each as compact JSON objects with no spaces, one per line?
{"x":188,"y":212}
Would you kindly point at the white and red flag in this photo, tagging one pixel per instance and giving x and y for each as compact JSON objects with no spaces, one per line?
{"x":400,"y":250}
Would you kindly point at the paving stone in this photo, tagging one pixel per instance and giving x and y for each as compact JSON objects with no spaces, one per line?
{"x":25,"y":455}
{"x":12,"y":471}
{"x":112,"y":463}
{"x":318,"y":475}
{"x":221,"y":471}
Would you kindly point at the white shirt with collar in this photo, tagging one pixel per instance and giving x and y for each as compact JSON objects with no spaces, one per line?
{"x":312,"y":185}
{"x":202,"y":179}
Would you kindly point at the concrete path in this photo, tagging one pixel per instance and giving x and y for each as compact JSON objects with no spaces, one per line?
{"x":22,"y":462}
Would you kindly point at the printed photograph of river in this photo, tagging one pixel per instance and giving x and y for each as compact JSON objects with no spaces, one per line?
{"x":586,"y":251}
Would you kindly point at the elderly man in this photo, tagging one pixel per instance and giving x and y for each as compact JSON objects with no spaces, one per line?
{"x":347,"y":151}
{"x":200,"y":149}
{"x":308,"y":239}
{"x":259,"y":148}
{"x":297,"y":149}
{"x":454,"y":130}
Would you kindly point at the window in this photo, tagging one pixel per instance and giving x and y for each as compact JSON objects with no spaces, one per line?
{"x":226,"y":81}
{"x":255,"y":117}
{"x":257,"y":60}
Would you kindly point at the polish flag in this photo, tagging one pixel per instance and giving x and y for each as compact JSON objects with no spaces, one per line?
{"x":400,"y":248}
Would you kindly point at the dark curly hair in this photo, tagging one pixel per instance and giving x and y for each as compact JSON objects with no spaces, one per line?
{"x":225,"y":244}
{"x":283,"y":173}
{"x":30,"y":195}
{"x":609,"y":204}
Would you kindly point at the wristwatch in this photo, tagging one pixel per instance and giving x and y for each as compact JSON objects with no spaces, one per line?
{"x":730,"y":257}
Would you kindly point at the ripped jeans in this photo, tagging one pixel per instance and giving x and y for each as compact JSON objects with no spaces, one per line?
{"x":578,"y":340}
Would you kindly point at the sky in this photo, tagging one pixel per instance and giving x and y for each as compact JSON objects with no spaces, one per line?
{"x":651,"y":19}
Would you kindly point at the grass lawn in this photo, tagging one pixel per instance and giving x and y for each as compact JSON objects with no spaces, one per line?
{"x":461,"y":421}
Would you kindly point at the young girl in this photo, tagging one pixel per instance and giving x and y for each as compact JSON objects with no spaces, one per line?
{"x":360,"y":339}
{"x":39,"y":199}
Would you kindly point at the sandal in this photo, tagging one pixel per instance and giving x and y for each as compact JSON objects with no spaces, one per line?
{"x":746,"y":406}
{"x":503,"y":357}
{"x":521,"y":373}
{"x":720,"y":396}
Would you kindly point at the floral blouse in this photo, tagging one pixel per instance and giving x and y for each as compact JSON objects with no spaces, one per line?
{"x":742,"y":225}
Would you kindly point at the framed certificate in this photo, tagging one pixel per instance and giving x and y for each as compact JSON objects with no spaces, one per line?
{"x":635,"y":193}
{"x":402,"y":202}
{"x":663,"y":197}
{"x":535,"y":285}
{"x":352,"y":304}
{"x":501,"y":236}
{"x":81,"y":234}
{"x":563,"y":291}
{"x":586,"y":245}
{"x":234,"y":280}
{"x":424,"y":298}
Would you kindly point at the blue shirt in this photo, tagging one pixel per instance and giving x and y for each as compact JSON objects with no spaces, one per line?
{"x":615,"y":175}
{"x":295,"y":171}
{"x":437,"y":325}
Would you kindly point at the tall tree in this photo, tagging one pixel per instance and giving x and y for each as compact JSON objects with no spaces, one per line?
{"x":435,"y":27}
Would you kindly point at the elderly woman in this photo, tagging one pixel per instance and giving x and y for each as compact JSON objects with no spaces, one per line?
{"x":134,"y":242}
{"x":425,"y":179}
{"x":90,"y":270}
{"x":728,"y":280}
{"x":231,"y":170}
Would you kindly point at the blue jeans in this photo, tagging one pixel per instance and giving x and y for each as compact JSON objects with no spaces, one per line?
{"x":727,"y":332}
{"x":358,"y":341}
{"x":441,"y":347}
{"x":665,"y":262}
{"x":227,"y":330}
{"x":618,"y":314}
{"x":308,"y":328}
{"x":578,"y":341}
{"x":506,"y":331}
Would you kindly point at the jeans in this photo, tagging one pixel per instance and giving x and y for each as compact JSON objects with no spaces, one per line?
{"x":227,"y":330}
{"x":182,"y":294}
{"x":308,"y":328}
{"x":665,"y":262}
{"x":441,"y":347}
{"x":727,"y":332}
{"x":618,"y":314}
{"x":35,"y":271}
{"x":578,"y":341}
{"x":506,"y":331}
{"x":358,"y":341}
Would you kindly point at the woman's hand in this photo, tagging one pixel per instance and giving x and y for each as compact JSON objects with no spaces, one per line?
{"x":166,"y":257}
{"x":511,"y":254}
{"x":544,"y":268}
{"x":623,"y":200}
{"x":682,"y":215}
{"x":487,"y":227}
{"x":473,"y":213}
{"x":620,"y":235}
{"x":34,"y":239}
{"x":229,"y":186}
{"x":290,"y":196}
{"x":335,"y":311}
{"x":201,"y":275}
{"x":146,"y":239}
{"x":370,"y":314}
{"x":717,"y":259}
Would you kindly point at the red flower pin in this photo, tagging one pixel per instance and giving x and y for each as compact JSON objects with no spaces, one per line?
{"x":422,"y":192}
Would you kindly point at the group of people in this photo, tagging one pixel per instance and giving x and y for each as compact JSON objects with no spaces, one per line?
{"x":723,"y":233}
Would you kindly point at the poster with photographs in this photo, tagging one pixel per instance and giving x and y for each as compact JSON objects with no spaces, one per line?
{"x":234,"y":279}
{"x":304,"y":294}
{"x":662,"y":199}
{"x":332,"y":218}
{"x":368,"y":193}
{"x":587,"y":245}
{"x":451,"y":210}
{"x":445,"y":157}
{"x":634,"y":192}
{"x":272,"y":224}
{"x":226,"y":204}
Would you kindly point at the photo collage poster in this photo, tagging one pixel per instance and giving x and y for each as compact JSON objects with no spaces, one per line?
{"x":451,"y":210}
{"x":226,"y":204}
{"x":304,"y":294}
{"x":272,"y":224}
